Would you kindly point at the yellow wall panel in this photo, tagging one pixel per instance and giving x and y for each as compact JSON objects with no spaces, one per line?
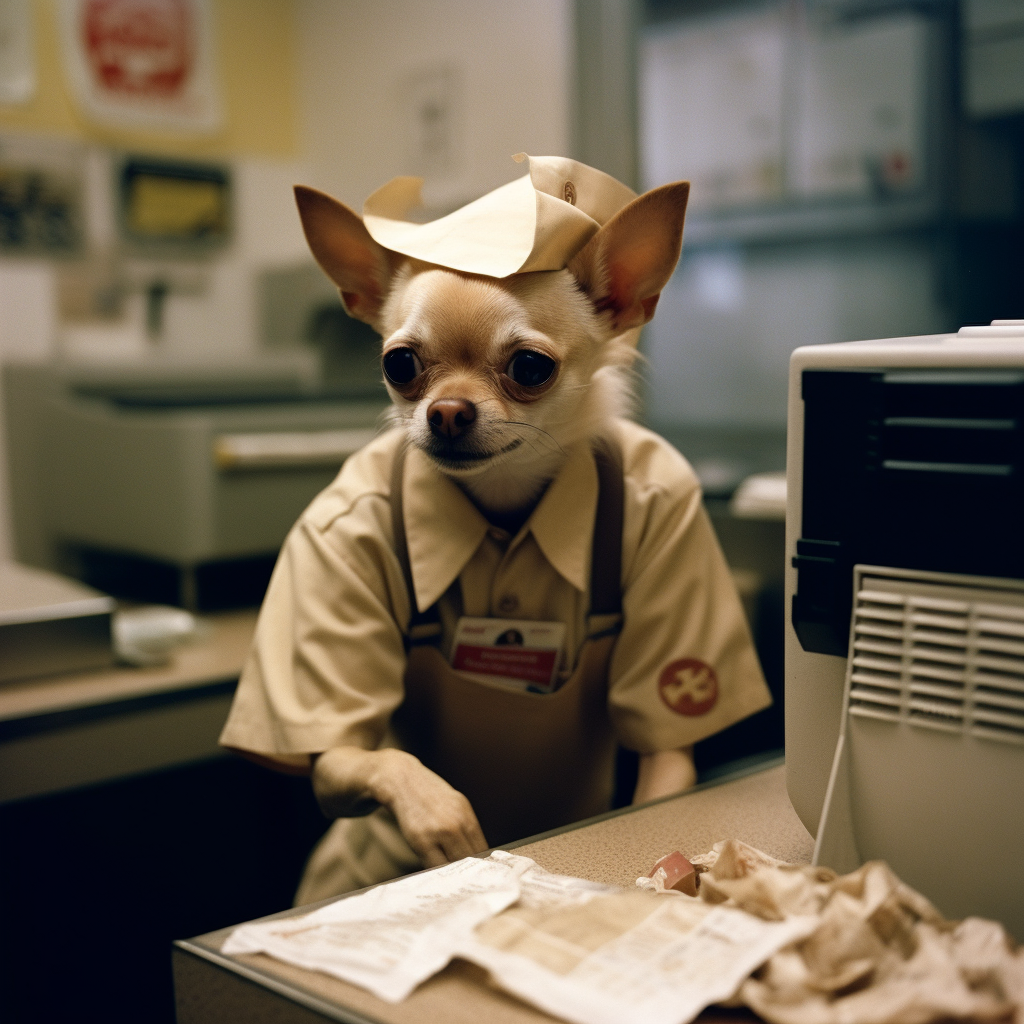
{"x":255,"y":47}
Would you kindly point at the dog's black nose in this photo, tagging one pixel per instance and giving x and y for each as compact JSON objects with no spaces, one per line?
{"x":451,"y":417}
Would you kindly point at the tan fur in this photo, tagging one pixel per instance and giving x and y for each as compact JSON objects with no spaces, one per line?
{"x":466,"y":329}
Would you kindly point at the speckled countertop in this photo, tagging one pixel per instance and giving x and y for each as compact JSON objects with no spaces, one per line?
{"x":755,"y":809}
{"x":616,"y":849}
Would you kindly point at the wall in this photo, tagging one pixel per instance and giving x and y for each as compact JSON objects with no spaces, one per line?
{"x":364,"y":65}
{"x":732,"y":314}
{"x":259,"y":137}
{"x":322,"y":92}
{"x":250,"y":36}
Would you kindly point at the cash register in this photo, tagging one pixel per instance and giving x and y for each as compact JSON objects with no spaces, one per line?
{"x":905,"y":592}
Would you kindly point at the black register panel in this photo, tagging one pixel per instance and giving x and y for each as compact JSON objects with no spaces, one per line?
{"x":913,"y":469}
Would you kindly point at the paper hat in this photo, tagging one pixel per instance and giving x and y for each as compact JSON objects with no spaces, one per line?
{"x":537,"y":222}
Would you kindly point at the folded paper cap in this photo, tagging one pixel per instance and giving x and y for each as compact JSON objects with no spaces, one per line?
{"x":537,"y":222}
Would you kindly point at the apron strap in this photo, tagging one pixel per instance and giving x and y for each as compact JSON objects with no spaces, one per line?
{"x":606,"y":553}
{"x":424,"y":627}
{"x":605,"y":562}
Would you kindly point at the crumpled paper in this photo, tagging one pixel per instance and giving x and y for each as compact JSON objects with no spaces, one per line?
{"x":881,"y":954}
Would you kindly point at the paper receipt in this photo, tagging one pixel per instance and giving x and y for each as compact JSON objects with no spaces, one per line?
{"x":583,"y":951}
{"x":391,"y":938}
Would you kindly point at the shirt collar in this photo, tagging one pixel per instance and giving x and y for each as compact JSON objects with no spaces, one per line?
{"x":563,"y":522}
{"x":444,"y":528}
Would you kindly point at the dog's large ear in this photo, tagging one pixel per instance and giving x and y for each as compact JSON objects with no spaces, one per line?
{"x":344,"y":249}
{"x":624,"y":267}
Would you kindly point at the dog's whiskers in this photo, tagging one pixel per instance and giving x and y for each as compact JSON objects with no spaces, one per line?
{"x":554,"y":443}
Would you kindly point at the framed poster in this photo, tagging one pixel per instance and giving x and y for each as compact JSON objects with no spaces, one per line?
{"x":17,"y":56}
{"x":861,"y":108}
{"x":142,"y":63}
{"x":42,"y":197}
{"x":767,"y":111}
{"x":711,"y":108}
{"x":174,"y":208}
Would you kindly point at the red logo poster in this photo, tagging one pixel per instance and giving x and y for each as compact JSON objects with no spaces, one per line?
{"x":143,"y":48}
{"x":142,"y":63}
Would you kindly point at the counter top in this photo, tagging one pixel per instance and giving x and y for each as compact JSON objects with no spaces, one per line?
{"x":614,"y":848}
{"x":59,"y":733}
{"x":215,"y":656}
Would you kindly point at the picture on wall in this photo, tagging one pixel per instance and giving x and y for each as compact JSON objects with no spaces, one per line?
{"x":142,"y":63}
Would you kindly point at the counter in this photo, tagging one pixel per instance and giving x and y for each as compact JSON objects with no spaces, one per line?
{"x":614,"y":848}
{"x":63,"y":732}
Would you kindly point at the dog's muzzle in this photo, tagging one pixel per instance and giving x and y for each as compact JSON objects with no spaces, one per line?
{"x":461,"y":453}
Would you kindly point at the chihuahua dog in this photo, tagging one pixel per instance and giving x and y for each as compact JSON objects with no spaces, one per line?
{"x":495,"y":379}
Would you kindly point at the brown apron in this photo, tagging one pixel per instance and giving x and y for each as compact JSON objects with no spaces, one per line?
{"x":527,"y":762}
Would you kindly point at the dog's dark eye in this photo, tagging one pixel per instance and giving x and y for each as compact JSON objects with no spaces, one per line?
{"x":401,"y":366}
{"x":530,"y":369}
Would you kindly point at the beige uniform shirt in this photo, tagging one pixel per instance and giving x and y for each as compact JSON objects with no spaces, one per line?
{"x":327,"y":662}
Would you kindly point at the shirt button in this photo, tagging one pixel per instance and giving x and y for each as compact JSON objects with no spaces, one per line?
{"x":498,"y":534}
{"x":508,"y":604}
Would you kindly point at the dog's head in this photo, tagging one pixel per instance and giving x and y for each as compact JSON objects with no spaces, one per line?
{"x":493,"y":379}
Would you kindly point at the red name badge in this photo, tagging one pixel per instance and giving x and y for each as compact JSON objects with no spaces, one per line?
{"x":510,"y":652}
{"x":516,"y":662}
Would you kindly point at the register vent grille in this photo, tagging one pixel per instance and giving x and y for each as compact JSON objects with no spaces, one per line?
{"x":938,"y":654}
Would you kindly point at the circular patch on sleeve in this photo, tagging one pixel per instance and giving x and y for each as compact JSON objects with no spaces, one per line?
{"x":689,"y":687}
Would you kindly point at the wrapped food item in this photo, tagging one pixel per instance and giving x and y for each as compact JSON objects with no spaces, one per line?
{"x":879,"y":954}
{"x":674,"y":871}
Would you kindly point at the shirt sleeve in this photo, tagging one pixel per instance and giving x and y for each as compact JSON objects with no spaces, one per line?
{"x":684,"y":666}
{"x":327,"y":661}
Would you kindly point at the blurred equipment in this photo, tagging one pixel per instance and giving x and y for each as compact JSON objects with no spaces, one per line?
{"x":299,"y":309}
{"x":993,"y":55}
{"x":49,"y":624}
{"x":905,"y":741}
{"x":760,"y":496}
{"x":172,"y":216}
{"x":173,"y":484}
{"x":810,"y":131}
{"x":150,"y":634}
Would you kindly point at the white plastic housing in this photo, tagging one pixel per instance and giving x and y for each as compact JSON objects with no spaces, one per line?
{"x":814,"y":682}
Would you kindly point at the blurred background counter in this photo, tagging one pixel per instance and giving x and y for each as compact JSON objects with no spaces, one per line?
{"x":125,"y":825}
